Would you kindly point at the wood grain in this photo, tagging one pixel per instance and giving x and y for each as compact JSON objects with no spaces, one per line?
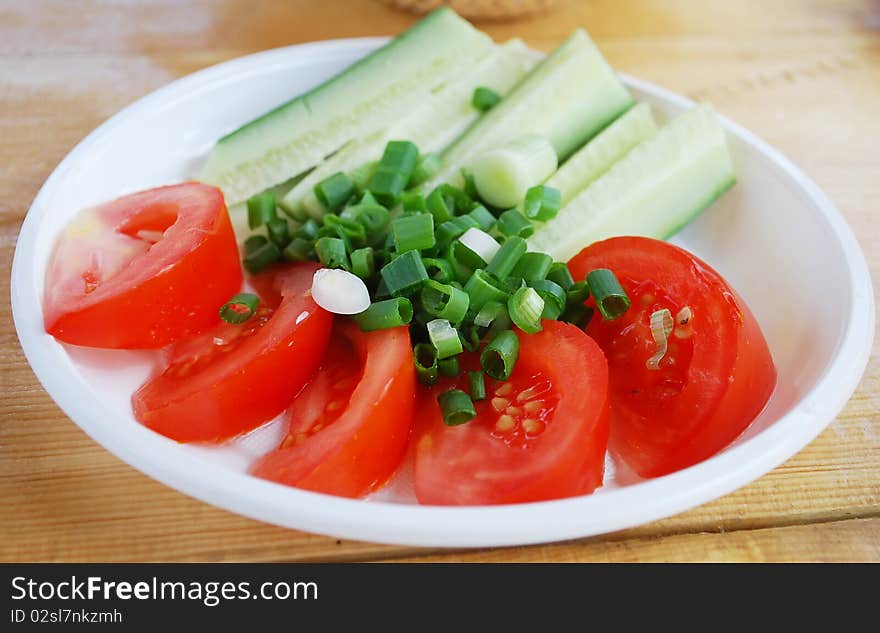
{"x":803,"y":75}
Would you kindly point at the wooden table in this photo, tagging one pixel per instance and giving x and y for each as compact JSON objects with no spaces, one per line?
{"x":803,"y":75}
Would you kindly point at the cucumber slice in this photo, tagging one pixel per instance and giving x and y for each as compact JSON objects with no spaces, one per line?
{"x":368,"y":95}
{"x":568,"y":97}
{"x":435,"y":123}
{"x":655,"y":190}
{"x":597,"y":156}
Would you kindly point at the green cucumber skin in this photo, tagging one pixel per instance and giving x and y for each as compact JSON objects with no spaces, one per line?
{"x":417,"y":28}
{"x":554,"y":100}
{"x":687,"y":218}
{"x":598,"y":156}
{"x":655,"y":190}
{"x":451,"y":113}
{"x":297,"y":135}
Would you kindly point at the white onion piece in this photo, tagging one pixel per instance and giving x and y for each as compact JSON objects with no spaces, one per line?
{"x":339,"y":291}
{"x":480,"y":243}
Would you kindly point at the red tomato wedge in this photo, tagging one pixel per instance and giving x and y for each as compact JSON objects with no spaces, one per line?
{"x":144,"y":270}
{"x":350,"y":426}
{"x":540,"y":435}
{"x":233,"y":378}
{"x":716,"y":375}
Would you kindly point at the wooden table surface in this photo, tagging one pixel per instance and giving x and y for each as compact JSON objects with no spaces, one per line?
{"x":803,"y":74}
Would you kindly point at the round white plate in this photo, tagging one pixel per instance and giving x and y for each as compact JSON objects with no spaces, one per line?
{"x":775,"y":237}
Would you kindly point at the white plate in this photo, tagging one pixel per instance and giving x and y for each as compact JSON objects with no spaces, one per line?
{"x":775,"y":237}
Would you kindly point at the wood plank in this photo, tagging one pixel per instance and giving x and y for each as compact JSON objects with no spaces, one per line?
{"x":856,"y":540}
{"x":806,"y":77}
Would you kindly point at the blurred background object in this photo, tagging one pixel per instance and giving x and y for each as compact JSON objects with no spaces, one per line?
{"x":480,"y":9}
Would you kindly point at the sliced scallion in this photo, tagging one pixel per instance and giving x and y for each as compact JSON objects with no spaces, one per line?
{"x":240,"y":308}
{"x":481,"y":289}
{"x":512,"y":222}
{"x":525,"y":307}
{"x":413,"y":232}
{"x":393,"y":171}
{"x":485,"y":98}
{"x":542,"y":203}
{"x":500,"y":355}
{"x":385,"y":314}
{"x":262,"y":257}
{"x":611,"y":299}
{"x":560,"y":275}
{"x":426,"y":167}
{"x":334,"y":191}
{"x":477,"y":382}
{"x":444,"y":301}
{"x":448,"y":366}
{"x":507,"y":256}
{"x":480,"y":244}
{"x":532,"y":266}
{"x":439,"y":269}
{"x":299,"y":250}
{"x":363,"y":263}
{"x":331,"y":252}
{"x":444,"y":338}
{"x":456,"y":407}
{"x":425,"y":359}
{"x":553,"y":295}
{"x":261,"y":209}
{"x":404,"y":274}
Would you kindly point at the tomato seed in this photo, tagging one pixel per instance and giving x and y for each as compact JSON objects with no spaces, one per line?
{"x":505,"y":423}
{"x":513,"y":411}
{"x":533,"y":406}
{"x":499,"y":404}
{"x":532,"y":427}
{"x":504,"y":390}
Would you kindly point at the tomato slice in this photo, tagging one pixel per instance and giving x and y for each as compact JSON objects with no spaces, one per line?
{"x":350,"y":426}
{"x":540,"y":435}
{"x":231,"y":379}
{"x":715,"y":377}
{"x":143,"y":270}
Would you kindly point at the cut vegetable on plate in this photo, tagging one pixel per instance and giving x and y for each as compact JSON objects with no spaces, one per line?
{"x":411,"y":298}
{"x":683,"y":393}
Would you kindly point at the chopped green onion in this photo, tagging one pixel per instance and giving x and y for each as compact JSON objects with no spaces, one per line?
{"x":352,"y":232}
{"x":456,"y":199}
{"x":482,"y":217}
{"x":444,"y":338}
{"x":425,"y":359}
{"x":470,"y":187}
{"x":253,"y":243}
{"x":448,"y":366}
{"x":444,"y":301}
{"x":385,"y":314}
{"x":470,"y":337}
{"x":363,"y":263}
{"x":578,"y":292}
{"x":437,"y":206}
{"x":553,"y":295}
{"x":560,"y":275}
{"x":439,"y":269}
{"x":404,"y":274}
{"x":262,"y":257}
{"x":507,"y":256}
{"x":373,"y":217}
{"x":525,"y":307}
{"x":334,"y":191}
{"x":413,"y":201}
{"x":361,"y":176}
{"x":456,"y":407}
{"x":542,"y":203}
{"x":532,"y":266}
{"x":261,"y":209}
{"x":413,"y":232}
{"x":485,"y":98}
{"x":279,"y":231}
{"x":488,"y":313}
{"x":610,"y":296}
{"x":477,"y":382}
{"x":299,"y":250}
{"x":453,"y":229}
{"x":393,"y":171}
{"x":331,"y":252}
{"x":308,"y":230}
{"x":425,"y":169}
{"x":481,"y":289}
{"x":500,"y":355}
{"x":661,"y":328}
{"x":480,"y":244}
{"x":577,"y":314}
{"x":240,"y":308}
{"x":512,"y":222}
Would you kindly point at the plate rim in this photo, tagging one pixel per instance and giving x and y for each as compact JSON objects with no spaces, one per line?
{"x":437,"y":526}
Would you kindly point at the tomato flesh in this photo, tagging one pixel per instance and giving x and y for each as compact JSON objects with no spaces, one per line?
{"x":350,"y":426}
{"x":233,"y":378}
{"x":540,"y":435}
{"x":715,"y":377}
{"x":144,"y":270}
